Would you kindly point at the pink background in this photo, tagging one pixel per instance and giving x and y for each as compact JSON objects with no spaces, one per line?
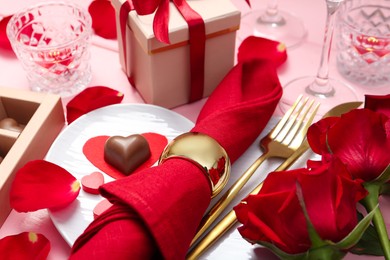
{"x":303,"y":60}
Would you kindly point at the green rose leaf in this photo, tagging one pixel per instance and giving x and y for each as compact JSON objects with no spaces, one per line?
{"x":353,"y":238}
{"x":326,"y":252}
{"x":384,"y":177}
{"x":370,"y":202}
{"x":369,"y":243}
{"x":281,"y":254}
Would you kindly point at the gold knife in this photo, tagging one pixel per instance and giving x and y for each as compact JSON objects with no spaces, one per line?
{"x":230,"y":219}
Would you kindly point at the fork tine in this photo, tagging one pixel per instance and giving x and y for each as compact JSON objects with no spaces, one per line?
{"x":291,"y":122}
{"x":298,"y":123}
{"x":275,"y":132}
{"x":295,"y":142}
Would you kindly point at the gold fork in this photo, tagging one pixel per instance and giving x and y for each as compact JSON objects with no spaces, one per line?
{"x":282,"y":141}
{"x":230,"y":219}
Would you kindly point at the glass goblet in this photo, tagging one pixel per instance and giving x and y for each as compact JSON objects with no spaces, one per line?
{"x":329,"y":92}
{"x":273,"y":24}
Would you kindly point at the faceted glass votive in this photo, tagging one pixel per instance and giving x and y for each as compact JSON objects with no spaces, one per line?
{"x":52,"y":41}
{"x":364,"y":43}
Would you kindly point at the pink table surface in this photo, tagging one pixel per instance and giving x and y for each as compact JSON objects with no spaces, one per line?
{"x":303,"y":60}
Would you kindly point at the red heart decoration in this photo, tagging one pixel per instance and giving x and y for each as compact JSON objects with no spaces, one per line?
{"x":101,"y":207}
{"x":93,"y":149}
{"x":91,"y":183}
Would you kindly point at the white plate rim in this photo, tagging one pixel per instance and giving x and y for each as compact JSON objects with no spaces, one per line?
{"x":59,"y":218}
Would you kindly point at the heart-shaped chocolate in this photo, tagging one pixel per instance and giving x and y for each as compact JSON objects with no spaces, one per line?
{"x":126,"y":153}
{"x":11,"y":124}
{"x":93,"y":150}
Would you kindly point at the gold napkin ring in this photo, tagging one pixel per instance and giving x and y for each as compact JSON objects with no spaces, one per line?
{"x":206,"y":153}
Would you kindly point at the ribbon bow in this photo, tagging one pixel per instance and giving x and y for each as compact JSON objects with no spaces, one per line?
{"x":161,"y":18}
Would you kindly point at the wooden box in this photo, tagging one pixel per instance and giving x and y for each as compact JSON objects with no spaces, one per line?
{"x":41,"y":118}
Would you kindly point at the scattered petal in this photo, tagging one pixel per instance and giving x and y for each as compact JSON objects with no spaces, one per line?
{"x":4,"y":41}
{"x":103,"y":18}
{"x":261,"y":48}
{"x":41,"y":184}
{"x":26,"y":245}
{"x":90,"y":99}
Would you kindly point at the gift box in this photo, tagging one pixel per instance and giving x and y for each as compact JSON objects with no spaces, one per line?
{"x":29,"y":123}
{"x":160,"y":71}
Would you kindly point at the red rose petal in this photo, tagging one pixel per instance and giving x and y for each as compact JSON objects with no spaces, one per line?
{"x":26,"y":245}
{"x":90,"y":99}
{"x":41,"y":184}
{"x":317,"y":134}
{"x":101,"y":207}
{"x":92,"y":182}
{"x":261,"y":48}
{"x":378,"y":103}
{"x":94,"y":151}
{"x":103,"y":18}
{"x":4,"y":41}
{"x":365,"y":150}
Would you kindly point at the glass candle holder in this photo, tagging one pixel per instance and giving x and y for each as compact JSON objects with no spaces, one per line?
{"x":364,"y":42}
{"x":52,"y":41}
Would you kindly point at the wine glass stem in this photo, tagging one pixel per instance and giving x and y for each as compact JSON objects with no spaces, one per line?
{"x":272,"y":16}
{"x":272,"y":7}
{"x":321,"y":87}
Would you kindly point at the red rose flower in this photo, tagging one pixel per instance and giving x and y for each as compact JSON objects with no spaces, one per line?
{"x":275,"y":215}
{"x":360,"y":138}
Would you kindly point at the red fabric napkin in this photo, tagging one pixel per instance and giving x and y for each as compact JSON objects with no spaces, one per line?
{"x":156,"y":212}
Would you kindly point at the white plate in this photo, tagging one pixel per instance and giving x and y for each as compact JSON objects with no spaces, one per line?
{"x":66,"y":151}
{"x":127,"y":119}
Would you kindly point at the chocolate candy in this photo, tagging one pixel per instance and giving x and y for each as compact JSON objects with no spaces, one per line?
{"x":126,"y":153}
{"x":11,"y":124}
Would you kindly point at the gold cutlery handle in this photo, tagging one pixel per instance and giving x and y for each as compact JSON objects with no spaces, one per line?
{"x":230,"y":219}
{"x":220,"y":229}
{"x":225,"y":200}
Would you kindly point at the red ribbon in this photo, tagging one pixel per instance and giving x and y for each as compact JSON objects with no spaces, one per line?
{"x":197,"y":34}
{"x":126,"y":7}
